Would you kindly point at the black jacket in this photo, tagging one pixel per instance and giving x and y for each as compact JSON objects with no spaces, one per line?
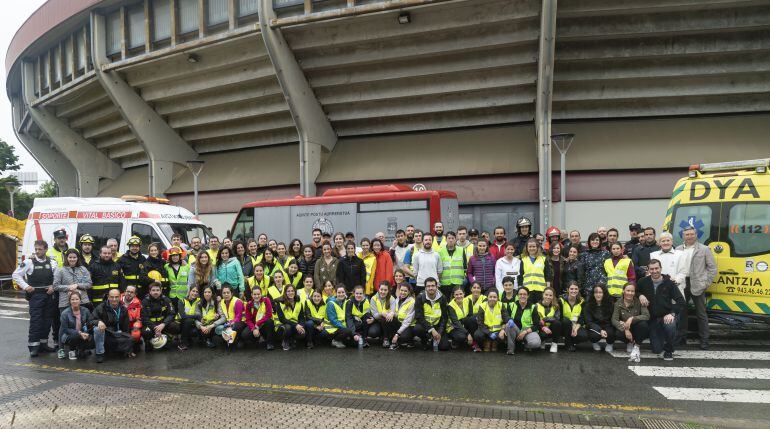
{"x":105,"y":313}
{"x":667,"y":299}
{"x":419,"y":311}
{"x":350,"y":320}
{"x":351,"y":272}
{"x":103,"y":273}
{"x":307,"y":267}
{"x":133,"y":267}
{"x":598,"y":317}
{"x":641,"y":257}
{"x":628,"y":248}
{"x":157,"y":308}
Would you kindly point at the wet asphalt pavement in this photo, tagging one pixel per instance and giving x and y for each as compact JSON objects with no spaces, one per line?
{"x":584,"y":381}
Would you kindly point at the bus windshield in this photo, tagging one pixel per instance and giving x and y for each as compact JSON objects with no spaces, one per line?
{"x":186,"y":230}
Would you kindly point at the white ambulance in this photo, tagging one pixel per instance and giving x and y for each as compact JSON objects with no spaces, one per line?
{"x":151,"y":219}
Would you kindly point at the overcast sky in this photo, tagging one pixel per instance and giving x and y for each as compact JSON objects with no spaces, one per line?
{"x":13,"y":16}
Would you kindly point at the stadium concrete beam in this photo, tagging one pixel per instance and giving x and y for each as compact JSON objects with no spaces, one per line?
{"x":162,"y":143}
{"x":89,"y":163}
{"x":313,"y":127}
{"x":543,"y":108}
{"x":53,"y":162}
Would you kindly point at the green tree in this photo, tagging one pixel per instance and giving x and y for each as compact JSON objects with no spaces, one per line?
{"x":22,"y":201}
{"x":8,"y":159}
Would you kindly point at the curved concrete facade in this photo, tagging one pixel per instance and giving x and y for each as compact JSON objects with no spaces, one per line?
{"x":448,"y":99}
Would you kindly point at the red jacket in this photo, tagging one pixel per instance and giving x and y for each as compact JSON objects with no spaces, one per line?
{"x":251,"y":314}
{"x":384,"y":269}
{"x":134,"y":309}
{"x":497,"y":250}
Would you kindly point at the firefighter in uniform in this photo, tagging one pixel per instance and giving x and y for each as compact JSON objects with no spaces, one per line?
{"x":35,"y":277}
{"x":523,"y":234}
{"x":132,"y":264}
{"x":105,"y":275}
{"x":158,"y":316}
{"x":86,"y":251}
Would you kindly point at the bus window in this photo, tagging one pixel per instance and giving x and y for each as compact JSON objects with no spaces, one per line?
{"x":699,"y":216}
{"x":101,"y":232}
{"x":186,"y":230}
{"x":147,"y":234}
{"x":244,"y":225}
{"x":749,"y":229}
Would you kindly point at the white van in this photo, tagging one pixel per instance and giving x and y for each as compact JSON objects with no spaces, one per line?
{"x":151,"y":219}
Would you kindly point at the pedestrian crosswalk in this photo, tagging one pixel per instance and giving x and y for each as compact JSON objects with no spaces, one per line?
{"x":707,"y":375}
{"x":14,"y":308}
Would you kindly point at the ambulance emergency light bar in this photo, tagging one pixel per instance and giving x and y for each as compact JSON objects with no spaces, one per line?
{"x":760,"y":165}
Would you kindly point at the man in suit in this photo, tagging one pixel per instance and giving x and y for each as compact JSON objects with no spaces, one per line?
{"x":700,"y":269}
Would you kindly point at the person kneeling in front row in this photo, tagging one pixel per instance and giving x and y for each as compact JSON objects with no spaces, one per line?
{"x":524,"y":322}
{"x":158,"y":317}
{"x":664,"y":301}
{"x":112,"y":333}
{"x":493,"y":325}
{"x":76,"y":327}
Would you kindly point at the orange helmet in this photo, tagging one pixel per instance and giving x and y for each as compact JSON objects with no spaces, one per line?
{"x":175,"y":251}
{"x":552,"y":231}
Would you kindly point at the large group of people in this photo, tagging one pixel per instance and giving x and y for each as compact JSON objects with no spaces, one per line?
{"x":439,"y":290}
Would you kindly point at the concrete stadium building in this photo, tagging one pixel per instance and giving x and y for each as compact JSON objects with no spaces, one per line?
{"x":281,"y":97}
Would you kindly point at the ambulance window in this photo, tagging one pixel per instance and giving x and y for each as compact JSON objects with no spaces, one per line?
{"x":698,"y":216}
{"x":244,"y":225}
{"x":147,"y":234}
{"x":749,"y":229}
{"x":101,"y":232}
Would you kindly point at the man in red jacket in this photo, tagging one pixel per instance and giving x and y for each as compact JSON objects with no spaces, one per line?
{"x":497,"y":247}
{"x":134,"y":307}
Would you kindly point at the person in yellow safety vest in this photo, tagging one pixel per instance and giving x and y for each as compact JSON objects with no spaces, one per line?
{"x":620,"y":271}
{"x":439,"y":239}
{"x":253,"y":258}
{"x":270,"y":263}
{"x":383,"y":308}
{"x":405,"y":316}
{"x":86,"y":250}
{"x":233,"y":310}
{"x":494,"y":327}
{"x":56,"y":252}
{"x":535,"y":273}
{"x":315,"y":315}
{"x":334,"y":323}
{"x":431,"y":315}
{"x":370,"y":264}
{"x":213,"y":249}
{"x":177,"y":273}
{"x":196,"y":246}
{"x":293,"y":275}
{"x":358,"y":316}
{"x":158,"y":316}
{"x":508,"y":297}
{"x":203,"y":273}
{"x":106,"y":274}
{"x":461,"y":324}
{"x":454,"y":262}
{"x":259,"y":279}
{"x":328,"y":291}
{"x":186,"y":314}
{"x":283,"y":258}
{"x":464,"y":243}
{"x":525,"y":322}
{"x":305,"y":292}
{"x":549,"y":313}
{"x":259,"y":320}
{"x":276,"y":290}
{"x":209,"y":316}
{"x":132,"y":264}
{"x":291,"y":318}
{"x":572,"y":320}
{"x":476,"y":299}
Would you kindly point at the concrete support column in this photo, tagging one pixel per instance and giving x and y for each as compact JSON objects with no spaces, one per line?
{"x":543,"y":109}
{"x":89,"y":163}
{"x":313,"y":127}
{"x":163,"y":145}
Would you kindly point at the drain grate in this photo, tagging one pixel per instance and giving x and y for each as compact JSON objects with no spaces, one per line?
{"x":662,"y":424}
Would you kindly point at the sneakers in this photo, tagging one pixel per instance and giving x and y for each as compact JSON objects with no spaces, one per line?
{"x":338,"y":344}
{"x":554,"y":347}
{"x":511,"y":351}
{"x":269,"y":347}
{"x":182,"y":347}
{"x":668,"y":356}
{"x":394,"y":346}
{"x":385,"y":344}
{"x":597,"y":347}
{"x":635,"y":355}
{"x":476,"y":348}
{"x":73,"y":355}
{"x":285,"y":346}
{"x":629,"y":348}
{"x":61,"y":354}
{"x":704,"y":345}
{"x":210,"y":344}
{"x":309,"y":345}
{"x":572,"y":348}
{"x":99,"y":358}
{"x":43,"y":348}
{"x":609,"y":348}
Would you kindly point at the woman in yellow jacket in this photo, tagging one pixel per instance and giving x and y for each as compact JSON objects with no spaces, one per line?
{"x":476,"y":299}
{"x":275,"y":291}
{"x":305,"y":292}
{"x":493,"y":324}
{"x":370,"y":263}
{"x":461,"y":324}
{"x":315,"y":313}
{"x":535,"y":272}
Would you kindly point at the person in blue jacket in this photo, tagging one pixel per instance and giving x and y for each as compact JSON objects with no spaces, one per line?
{"x":335,"y":323}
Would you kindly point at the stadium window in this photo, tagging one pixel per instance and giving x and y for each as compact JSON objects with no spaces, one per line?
{"x":136,"y":34}
{"x":112,"y":25}
{"x":217,"y":12}
{"x":188,"y":16}
{"x":247,"y":8}
{"x":68,"y":48}
{"x":161,"y":20}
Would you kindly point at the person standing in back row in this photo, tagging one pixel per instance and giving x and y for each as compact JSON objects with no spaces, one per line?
{"x":35,"y":277}
{"x":426,"y":263}
{"x":699,"y":271}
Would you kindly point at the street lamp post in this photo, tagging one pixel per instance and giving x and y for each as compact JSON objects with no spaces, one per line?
{"x":12,"y":187}
{"x":195,"y":167}
{"x":562,"y":142}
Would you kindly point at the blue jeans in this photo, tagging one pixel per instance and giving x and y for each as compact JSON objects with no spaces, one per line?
{"x":662,"y":335}
{"x":99,"y":341}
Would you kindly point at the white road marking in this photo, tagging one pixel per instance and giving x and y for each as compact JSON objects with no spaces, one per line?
{"x":731,"y":342}
{"x":7,"y":304}
{"x":11,"y":312}
{"x":14,"y":318}
{"x":701,"y":372}
{"x":715,"y":395}
{"x":704,"y":354}
{"x":7,"y":299}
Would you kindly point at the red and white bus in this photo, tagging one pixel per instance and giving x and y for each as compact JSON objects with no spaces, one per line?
{"x":361,"y":210}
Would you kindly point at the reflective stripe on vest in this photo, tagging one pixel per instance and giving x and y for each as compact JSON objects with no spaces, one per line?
{"x":316,"y":313}
{"x":274,"y":293}
{"x":177,"y":283}
{"x":432,"y":312}
{"x":526,"y":315}
{"x":571,"y":313}
{"x":493,"y":317}
{"x":481,"y":300}
{"x":453,"y":272}
{"x":534,"y":274}
{"x":340,"y":317}
{"x":379,"y":305}
{"x":617,"y":275}
{"x":541,"y":311}
{"x":461,"y":311}
{"x":404,"y":310}
{"x":263,"y":284}
{"x":292,"y":315}
{"x":359,"y":313}
{"x":229,"y":311}
{"x":209,"y":314}
{"x":189,"y":307}
{"x":100,"y":297}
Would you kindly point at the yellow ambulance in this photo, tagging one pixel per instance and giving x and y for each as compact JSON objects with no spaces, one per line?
{"x":728,"y":203}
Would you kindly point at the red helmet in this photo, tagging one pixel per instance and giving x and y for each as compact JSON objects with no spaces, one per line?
{"x":552,"y":231}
